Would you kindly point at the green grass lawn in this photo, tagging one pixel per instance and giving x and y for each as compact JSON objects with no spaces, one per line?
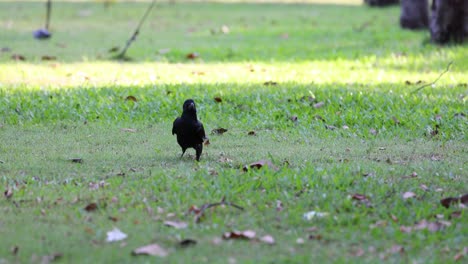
{"x":327,"y":88}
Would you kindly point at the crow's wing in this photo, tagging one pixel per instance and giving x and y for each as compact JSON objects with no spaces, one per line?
{"x":201,"y":131}
{"x":176,"y":125}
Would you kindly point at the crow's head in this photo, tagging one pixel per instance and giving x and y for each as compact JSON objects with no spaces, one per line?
{"x":189,"y":106}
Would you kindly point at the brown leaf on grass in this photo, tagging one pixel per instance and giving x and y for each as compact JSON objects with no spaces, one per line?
{"x":408,"y":195}
{"x":113,"y":49}
{"x":152,"y":250}
{"x":394,"y":218}
{"x":358,"y":252}
{"x":131,"y":98}
{"x":315,"y":237}
{"x":76,"y":160}
{"x":460,"y":255}
{"x":206,"y":142}
{"x":18,"y":57}
{"x":449,"y":201}
{"x":319,"y":105}
{"x":14,"y":250}
{"x":412,"y":175}
{"x":431,"y":226}
{"x":464,"y":199}
{"x":192,"y":56}
{"x":129,"y":130}
{"x":47,"y":259}
{"x":91,"y":207}
{"x":267,"y":239}
{"x":456,"y":214}
{"x":270,"y":83}
{"x":252,"y":133}
{"x":330,"y":127}
{"x":176,"y":224}
{"x":406,"y":229}
{"x":373,"y":131}
{"x":247,"y":235}
{"x":397,"y":249}
{"x":362,"y":199}
{"x":8,"y":193}
{"x":424,"y":187}
{"x":395,"y":120}
{"x":260,"y":164}
{"x":187,"y":242}
{"x":218,"y":131}
{"x":48,"y":58}
{"x":218,"y":100}
{"x":279,"y":206}
{"x":359,"y":197}
{"x":293,"y":118}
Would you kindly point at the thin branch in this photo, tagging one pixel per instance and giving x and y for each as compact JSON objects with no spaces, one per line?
{"x":136,"y":32}
{"x":49,"y":7}
{"x":204,"y":207}
{"x":432,"y":83}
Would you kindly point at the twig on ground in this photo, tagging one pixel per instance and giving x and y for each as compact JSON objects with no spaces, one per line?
{"x":429,"y":84}
{"x":200,"y":212}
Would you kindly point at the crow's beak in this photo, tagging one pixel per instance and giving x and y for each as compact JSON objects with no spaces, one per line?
{"x":191,"y":106}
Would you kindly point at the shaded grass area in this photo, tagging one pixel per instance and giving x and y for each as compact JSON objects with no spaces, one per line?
{"x":327,"y":89}
{"x":140,"y":181}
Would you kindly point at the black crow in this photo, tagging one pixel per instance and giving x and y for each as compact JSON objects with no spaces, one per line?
{"x":190,"y":132}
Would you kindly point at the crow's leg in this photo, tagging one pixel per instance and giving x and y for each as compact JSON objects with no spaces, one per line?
{"x":198,"y":148}
{"x":183,"y":152}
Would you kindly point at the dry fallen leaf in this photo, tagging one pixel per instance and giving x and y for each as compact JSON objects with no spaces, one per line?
{"x":218,"y":99}
{"x":319,"y":105}
{"x":187,"y":242}
{"x":268,"y":83}
{"x":176,"y":224}
{"x":91,"y":207}
{"x":14,"y":250}
{"x":48,"y":58}
{"x":192,"y":55}
{"x":219,"y":131}
{"x":50,"y":258}
{"x":461,"y":254}
{"x":131,"y":98}
{"x":76,"y":160}
{"x":267,"y":239}
{"x":247,"y":234}
{"x":129,"y":130}
{"x":8,"y":193}
{"x":152,"y":250}
{"x":115,"y":235}
{"x":252,"y":133}
{"x":18,"y":57}
{"x":260,"y":164}
{"x":359,"y":197}
{"x":408,"y":195}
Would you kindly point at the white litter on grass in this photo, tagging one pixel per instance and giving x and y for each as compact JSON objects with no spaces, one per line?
{"x":115,"y":235}
{"x":314,"y":214}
